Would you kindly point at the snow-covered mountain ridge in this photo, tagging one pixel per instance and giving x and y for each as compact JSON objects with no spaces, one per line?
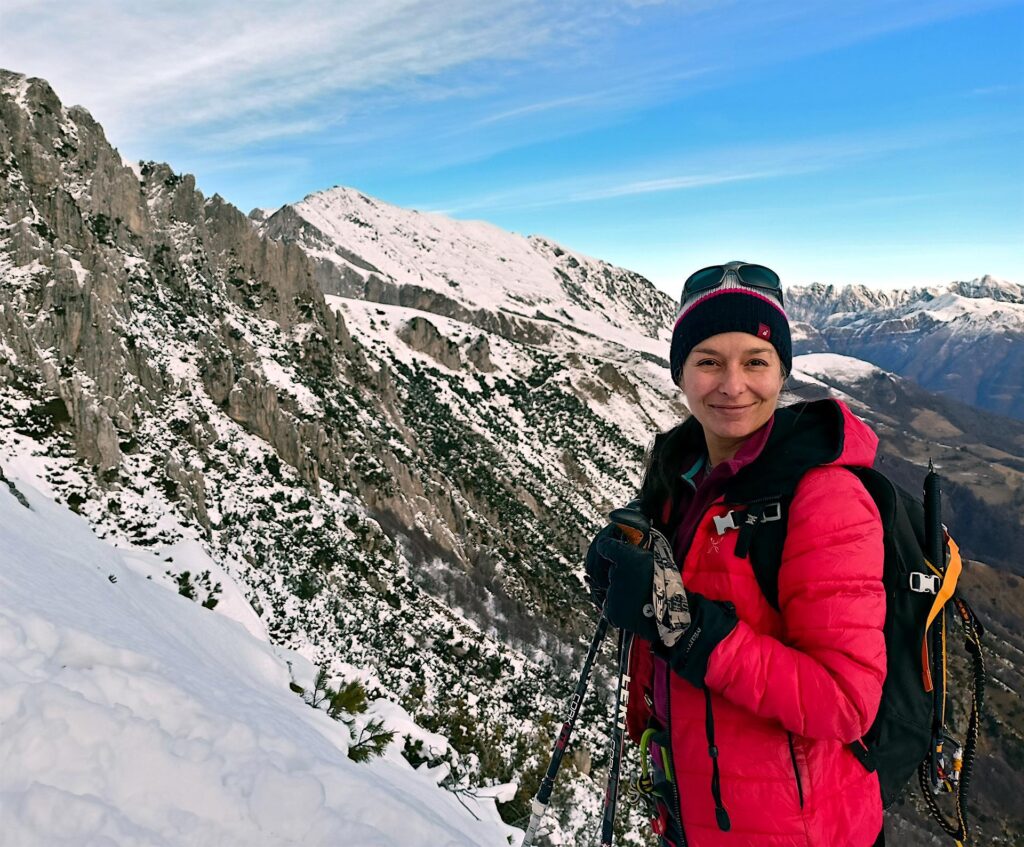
{"x":861,"y":298}
{"x":366,"y":248}
{"x":963,"y":339}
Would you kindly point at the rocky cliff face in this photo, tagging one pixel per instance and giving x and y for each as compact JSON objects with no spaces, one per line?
{"x":396,"y":431}
{"x":964,"y":340}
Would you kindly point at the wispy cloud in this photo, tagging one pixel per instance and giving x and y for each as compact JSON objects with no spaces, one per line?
{"x":629,"y":89}
{"x":711,"y":168}
{"x":221,"y":72}
{"x":152,"y":66}
{"x":542,"y":106}
{"x":992,"y":90}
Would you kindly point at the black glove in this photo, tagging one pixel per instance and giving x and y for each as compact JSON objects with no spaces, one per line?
{"x":597,"y":566}
{"x":630,"y":584}
{"x":711,"y":621}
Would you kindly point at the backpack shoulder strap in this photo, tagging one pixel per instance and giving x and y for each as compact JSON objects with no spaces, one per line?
{"x":766,"y":544}
{"x":766,"y":553}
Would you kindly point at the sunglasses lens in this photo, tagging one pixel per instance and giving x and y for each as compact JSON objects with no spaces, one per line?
{"x":759,"y":276}
{"x":704,"y":279}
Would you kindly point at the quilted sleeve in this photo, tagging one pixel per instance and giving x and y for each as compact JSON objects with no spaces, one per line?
{"x":823,"y":678}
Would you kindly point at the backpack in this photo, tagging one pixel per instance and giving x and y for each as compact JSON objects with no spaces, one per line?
{"x":909,"y":733}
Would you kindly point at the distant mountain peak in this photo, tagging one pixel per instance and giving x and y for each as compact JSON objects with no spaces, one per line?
{"x":991,"y":287}
{"x":370,"y":249}
{"x":964,"y":339}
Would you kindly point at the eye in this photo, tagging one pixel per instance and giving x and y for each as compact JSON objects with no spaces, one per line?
{"x":703,"y":363}
{"x":758,"y":363}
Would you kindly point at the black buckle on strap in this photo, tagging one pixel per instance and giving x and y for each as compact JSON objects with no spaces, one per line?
{"x":761,"y":513}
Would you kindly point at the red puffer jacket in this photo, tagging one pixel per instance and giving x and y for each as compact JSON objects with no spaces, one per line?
{"x":789,"y":690}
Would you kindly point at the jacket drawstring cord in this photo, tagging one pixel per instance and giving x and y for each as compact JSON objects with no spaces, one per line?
{"x":721,"y":815}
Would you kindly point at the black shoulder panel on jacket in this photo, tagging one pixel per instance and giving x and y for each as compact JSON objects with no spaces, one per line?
{"x":803,"y":436}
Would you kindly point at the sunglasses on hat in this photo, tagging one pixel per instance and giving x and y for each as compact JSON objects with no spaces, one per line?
{"x":754,"y":276}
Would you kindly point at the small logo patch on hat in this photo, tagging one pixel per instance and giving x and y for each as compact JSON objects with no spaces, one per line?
{"x":764,"y":331}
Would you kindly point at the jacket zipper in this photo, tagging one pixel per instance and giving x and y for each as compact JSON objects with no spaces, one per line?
{"x":796,"y":769}
{"x":675,"y":773}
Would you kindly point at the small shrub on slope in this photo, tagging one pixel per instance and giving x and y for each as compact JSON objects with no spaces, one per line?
{"x":343,"y":704}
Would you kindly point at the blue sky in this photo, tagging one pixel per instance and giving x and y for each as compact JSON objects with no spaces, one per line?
{"x":867,"y":141}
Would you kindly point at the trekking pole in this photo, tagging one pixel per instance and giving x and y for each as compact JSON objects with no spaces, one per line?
{"x":611,"y":794}
{"x":949,"y":771}
{"x":635,"y":526}
{"x":540,"y":802}
{"x":935,"y":547}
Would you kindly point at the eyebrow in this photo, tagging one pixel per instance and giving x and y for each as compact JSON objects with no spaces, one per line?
{"x":753,"y":351}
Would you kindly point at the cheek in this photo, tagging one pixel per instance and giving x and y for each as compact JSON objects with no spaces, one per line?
{"x":691,"y":386}
{"x":771,"y":388}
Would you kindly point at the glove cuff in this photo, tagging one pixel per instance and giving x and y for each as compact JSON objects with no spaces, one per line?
{"x":711,"y":623}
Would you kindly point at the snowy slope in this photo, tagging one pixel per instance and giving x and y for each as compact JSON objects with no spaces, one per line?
{"x":132,"y":716}
{"x":480,"y":267}
{"x":833,"y":367}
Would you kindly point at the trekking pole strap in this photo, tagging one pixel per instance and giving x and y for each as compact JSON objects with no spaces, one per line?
{"x":949,"y":577}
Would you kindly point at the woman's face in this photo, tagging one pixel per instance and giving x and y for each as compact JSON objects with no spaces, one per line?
{"x":732,"y":383}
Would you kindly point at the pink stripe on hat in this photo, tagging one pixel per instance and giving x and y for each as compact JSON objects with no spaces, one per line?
{"x":723,"y":289}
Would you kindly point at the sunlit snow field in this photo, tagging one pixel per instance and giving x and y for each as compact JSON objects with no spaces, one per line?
{"x":130,"y":715}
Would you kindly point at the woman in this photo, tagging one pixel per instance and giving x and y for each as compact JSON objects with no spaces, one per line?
{"x":756,"y":705}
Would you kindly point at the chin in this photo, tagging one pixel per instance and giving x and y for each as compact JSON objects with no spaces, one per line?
{"x":733,"y":432}
{"x":735,"y":428}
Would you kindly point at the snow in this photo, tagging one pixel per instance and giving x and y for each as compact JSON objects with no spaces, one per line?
{"x":80,"y":273}
{"x":16,"y":86}
{"x":833,"y":366}
{"x":280,"y":378}
{"x":976,"y":312}
{"x":133,"y":716}
{"x":473,"y":263}
{"x":977,"y":308}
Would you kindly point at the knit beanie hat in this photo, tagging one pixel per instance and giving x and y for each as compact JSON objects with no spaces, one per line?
{"x":730,"y":306}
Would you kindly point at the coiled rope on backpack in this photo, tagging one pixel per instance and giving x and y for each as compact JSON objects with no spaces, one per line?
{"x":958,"y":780}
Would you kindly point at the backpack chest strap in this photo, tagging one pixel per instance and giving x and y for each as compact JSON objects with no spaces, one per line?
{"x":746,"y":521}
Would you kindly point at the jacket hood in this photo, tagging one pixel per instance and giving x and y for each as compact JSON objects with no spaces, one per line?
{"x":822,"y":432}
{"x":804,"y":436}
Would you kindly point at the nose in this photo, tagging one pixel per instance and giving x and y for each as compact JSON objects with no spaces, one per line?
{"x":732,"y":382}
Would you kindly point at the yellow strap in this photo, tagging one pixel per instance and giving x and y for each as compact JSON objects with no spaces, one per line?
{"x":949,"y":580}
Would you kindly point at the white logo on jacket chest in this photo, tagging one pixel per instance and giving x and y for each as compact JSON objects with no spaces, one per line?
{"x":714,"y":545}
